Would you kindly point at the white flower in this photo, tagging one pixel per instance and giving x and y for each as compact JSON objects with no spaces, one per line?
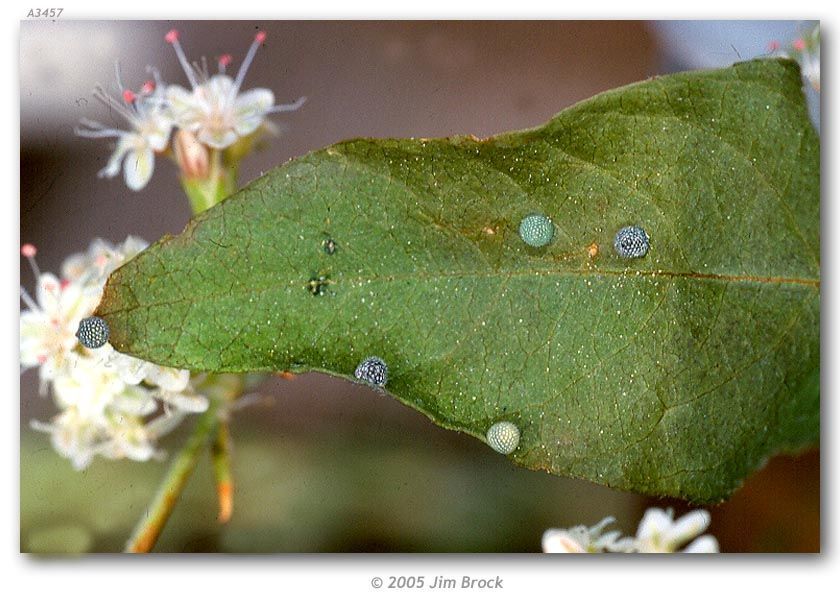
{"x":659,"y":532}
{"x":173,"y":388}
{"x":72,"y":436}
{"x":126,"y":437}
{"x":582,"y":539}
{"x":91,"y":386}
{"x":215,"y":110}
{"x":101,"y":258}
{"x":107,"y":399}
{"x":170,"y":386}
{"x":150,"y":126}
{"x":48,"y":327}
{"x":117,"y":435}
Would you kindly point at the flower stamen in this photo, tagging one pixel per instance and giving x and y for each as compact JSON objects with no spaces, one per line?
{"x":29,"y":251}
{"x":224,"y":61}
{"x":287,"y":107}
{"x":172,"y":37}
{"x":249,"y":58}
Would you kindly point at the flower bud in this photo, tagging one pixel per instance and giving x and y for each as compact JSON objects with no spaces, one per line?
{"x":191,"y":155}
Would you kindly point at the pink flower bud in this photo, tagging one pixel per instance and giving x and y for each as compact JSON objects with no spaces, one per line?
{"x":191,"y":155}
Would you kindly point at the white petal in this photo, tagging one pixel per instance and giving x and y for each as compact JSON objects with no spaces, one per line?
{"x":185,"y":107}
{"x":217,"y":137}
{"x":560,"y":541}
{"x":250,"y":109}
{"x":74,"y":266}
{"x":138,"y":168}
{"x":217,"y":91}
{"x":100,"y":250}
{"x":599,"y":526}
{"x":80,"y":457}
{"x":158,"y":139}
{"x":131,"y":370}
{"x":78,"y":302}
{"x":72,"y":437}
{"x":655,"y":522}
{"x":135,"y":400}
{"x":128,"y":440}
{"x":167,"y":378}
{"x":625,"y":544}
{"x":187,"y":402}
{"x":137,"y":450}
{"x":705,"y":544}
{"x":34,"y":330}
{"x":160,"y":426}
{"x":88,"y":386}
{"x":687,"y":527}
{"x":48,"y":294}
{"x":124,"y":144}
{"x":132,"y":246}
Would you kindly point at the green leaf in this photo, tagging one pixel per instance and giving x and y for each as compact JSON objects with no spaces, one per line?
{"x":674,"y":374}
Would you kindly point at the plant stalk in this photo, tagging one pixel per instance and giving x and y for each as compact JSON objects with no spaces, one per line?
{"x":148,"y":530}
{"x":220,"y":453}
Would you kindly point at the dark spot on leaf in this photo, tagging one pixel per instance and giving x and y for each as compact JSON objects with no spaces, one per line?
{"x":317,"y":285}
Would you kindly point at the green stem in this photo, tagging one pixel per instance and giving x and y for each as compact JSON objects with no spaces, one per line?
{"x":149,"y":528}
{"x":221,"y":390}
{"x":218,"y":185}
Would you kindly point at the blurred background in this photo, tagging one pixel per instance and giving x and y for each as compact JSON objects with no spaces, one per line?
{"x":322,"y":465}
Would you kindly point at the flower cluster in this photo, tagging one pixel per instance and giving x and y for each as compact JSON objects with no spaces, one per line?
{"x":111,"y":404}
{"x":806,"y":51}
{"x":212,"y":115}
{"x":658,"y":533}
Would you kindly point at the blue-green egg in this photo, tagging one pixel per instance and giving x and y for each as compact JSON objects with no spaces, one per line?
{"x":503,"y":437}
{"x":536,"y":230}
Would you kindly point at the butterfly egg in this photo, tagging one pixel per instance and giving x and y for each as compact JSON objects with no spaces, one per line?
{"x":372,"y":370}
{"x":503,"y":437}
{"x":536,"y":230}
{"x":93,"y":332}
{"x":631,"y":242}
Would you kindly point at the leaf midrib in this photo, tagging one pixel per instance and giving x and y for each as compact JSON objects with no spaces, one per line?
{"x":749,"y":279}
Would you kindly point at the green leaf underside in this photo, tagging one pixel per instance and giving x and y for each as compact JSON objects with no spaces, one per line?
{"x":674,"y":374}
